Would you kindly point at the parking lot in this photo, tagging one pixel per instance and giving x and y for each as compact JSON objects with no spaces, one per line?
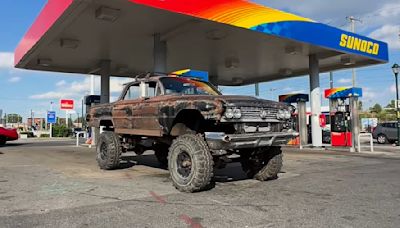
{"x":54,"y":184}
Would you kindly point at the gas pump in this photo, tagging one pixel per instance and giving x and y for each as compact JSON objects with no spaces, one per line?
{"x":300,"y":123}
{"x":90,"y":101}
{"x":344,"y":110}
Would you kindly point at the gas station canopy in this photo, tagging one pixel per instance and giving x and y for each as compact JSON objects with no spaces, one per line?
{"x":238,"y":42}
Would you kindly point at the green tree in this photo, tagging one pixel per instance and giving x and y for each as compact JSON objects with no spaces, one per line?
{"x":14,"y":118}
{"x":377,"y":109}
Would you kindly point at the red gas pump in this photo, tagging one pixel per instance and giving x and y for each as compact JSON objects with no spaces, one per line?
{"x":341,"y":129}
{"x":341,"y":116}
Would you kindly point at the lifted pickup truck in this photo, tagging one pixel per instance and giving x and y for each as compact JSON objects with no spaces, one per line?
{"x":193,"y":129}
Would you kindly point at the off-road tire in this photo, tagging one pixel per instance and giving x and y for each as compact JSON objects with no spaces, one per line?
{"x":201,"y":163}
{"x":161,"y":152}
{"x":108,"y":150}
{"x":266,"y":167}
{"x":382,"y":139}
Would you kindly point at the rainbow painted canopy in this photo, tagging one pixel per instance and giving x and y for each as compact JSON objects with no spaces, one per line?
{"x":236,"y":41}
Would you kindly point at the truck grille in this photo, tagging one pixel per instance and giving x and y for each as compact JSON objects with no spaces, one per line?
{"x":254,"y":112}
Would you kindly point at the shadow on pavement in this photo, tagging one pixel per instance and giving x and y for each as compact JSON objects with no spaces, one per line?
{"x":232,"y":172}
{"x":10,"y":144}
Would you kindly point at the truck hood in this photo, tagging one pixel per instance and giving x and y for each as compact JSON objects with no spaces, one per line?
{"x":237,"y":101}
{"x":248,"y":101}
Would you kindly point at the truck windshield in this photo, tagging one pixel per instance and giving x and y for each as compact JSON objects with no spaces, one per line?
{"x":187,"y":86}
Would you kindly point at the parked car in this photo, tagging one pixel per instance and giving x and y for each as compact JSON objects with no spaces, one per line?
{"x":193,"y":129}
{"x":7,"y":134}
{"x":385,"y":132}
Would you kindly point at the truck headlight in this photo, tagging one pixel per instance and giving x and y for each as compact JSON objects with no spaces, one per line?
{"x":237,"y":113}
{"x":284,"y":114}
{"x":233,"y":113}
{"x":229,"y":113}
{"x":281,"y":114}
{"x":287,"y":114}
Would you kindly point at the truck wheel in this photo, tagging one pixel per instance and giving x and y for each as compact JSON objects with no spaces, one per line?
{"x":190,"y":163}
{"x":108,"y":150}
{"x":263,"y":164}
{"x":161,"y":153}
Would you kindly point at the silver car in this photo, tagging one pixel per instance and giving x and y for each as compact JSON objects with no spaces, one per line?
{"x":385,"y":132}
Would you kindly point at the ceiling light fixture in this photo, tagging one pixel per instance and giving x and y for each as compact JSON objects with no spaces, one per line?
{"x":107,"y":14}
{"x":347,"y":61}
{"x":286,"y":72}
{"x":232,"y":63}
{"x":293,"y":50}
{"x":216,"y":35}
{"x":44,"y":62}
{"x":69,"y":43}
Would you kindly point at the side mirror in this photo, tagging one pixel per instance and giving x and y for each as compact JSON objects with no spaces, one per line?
{"x":144,"y":90}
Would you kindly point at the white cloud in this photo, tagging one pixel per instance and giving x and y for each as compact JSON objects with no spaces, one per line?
{"x":6,"y":60}
{"x":393,"y":88}
{"x":389,"y":34}
{"x":51,"y":96}
{"x":298,"y":91}
{"x":369,"y":94}
{"x":14,"y":79}
{"x":79,"y":88}
{"x":61,"y":83}
{"x":345,"y":80}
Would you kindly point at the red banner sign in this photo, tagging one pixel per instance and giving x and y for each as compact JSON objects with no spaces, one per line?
{"x":67,"y":104}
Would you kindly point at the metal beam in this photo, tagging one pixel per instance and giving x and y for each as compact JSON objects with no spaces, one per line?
{"x":160,"y":54}
{"x":105,"y":82}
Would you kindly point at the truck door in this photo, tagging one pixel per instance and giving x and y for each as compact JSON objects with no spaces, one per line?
{"x":146,"y":116}
{"x":124,"y":108}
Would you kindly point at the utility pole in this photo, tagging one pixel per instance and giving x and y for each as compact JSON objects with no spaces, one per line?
{"x":51,"y":124}
{"x":31,"y":118}
{"x":353,"y":21}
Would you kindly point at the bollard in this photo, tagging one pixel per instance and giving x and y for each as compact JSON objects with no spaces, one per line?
{"x":77,"y":137}
{"x":371,"y":141}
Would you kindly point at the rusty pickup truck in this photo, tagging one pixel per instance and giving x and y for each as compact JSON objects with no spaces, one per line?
{"x":193,"y":129}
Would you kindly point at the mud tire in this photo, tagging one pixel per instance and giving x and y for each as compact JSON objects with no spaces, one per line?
{"x":201,"y":162}
{"x":263,"y":164}
{"x":109,"y":151}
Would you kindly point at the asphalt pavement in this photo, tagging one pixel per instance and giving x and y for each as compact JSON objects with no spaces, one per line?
{"x":55,"y":184}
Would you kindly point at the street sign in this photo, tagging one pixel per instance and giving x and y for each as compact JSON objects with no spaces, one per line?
{"x":51,"y":117}
{"x":66,"y":104}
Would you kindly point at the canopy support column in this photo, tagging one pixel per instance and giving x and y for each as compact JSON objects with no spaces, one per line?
{"x":160,"y":54}
{"x":315,"y":92}
{"x":104,"y":93}
{"x":355,"y":124}
{"x":302,"y":120}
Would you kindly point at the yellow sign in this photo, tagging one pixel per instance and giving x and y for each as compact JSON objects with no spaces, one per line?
{"x":358,"y":44}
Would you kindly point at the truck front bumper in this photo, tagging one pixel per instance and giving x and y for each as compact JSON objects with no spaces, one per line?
{"x":222,"y":141}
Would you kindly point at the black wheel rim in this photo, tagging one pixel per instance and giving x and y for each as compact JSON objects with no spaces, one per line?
{"x":184,"y":164}
{"x":103,"y":151}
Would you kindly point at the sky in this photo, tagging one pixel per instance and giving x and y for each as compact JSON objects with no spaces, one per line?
{"x":22,"y":91}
